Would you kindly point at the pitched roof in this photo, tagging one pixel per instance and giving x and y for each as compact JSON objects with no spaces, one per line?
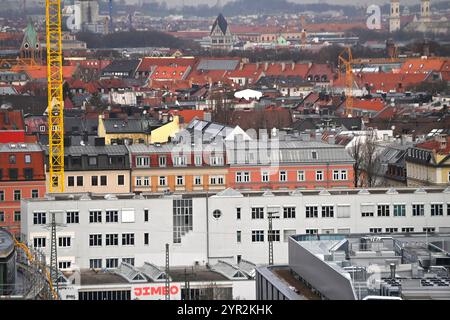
{"x":221,"y":22}
{"x":218,"y":64}
{"x":129,"y":125}
{"x":419,"y":65}
{"x":170,"y":73}
{"x":188,"y":115}
{"x":122,"y":66}
{"x":369,"y":105}
{"x":390,"y":81}
{"x":40,"y":72}
{"x":435,"y":145}
{"x":31,"y":37}
{"x":148,"y":63}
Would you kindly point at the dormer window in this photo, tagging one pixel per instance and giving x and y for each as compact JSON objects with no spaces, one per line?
{"x":314,"y":154}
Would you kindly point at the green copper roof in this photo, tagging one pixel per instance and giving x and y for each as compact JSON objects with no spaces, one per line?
{"x":30,"y":36}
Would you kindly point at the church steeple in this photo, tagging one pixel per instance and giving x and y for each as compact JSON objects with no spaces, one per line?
{"x":31,"y":47}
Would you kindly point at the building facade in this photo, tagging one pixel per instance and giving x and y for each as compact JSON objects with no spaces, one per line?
{"x":229,"y":225}
{"x":22,"y":176}
{"x":394,"y":18}
{"x":99,"y":169}
{"x":221,"y":37}
{"x":428,"y":163}
{"x":237,"y":164}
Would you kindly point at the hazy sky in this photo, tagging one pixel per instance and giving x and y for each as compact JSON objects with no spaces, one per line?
{"x":213,"y":2}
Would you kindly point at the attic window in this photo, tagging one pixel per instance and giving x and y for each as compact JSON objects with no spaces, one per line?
{"x":314,"y":154}
{"x":410,"y":65}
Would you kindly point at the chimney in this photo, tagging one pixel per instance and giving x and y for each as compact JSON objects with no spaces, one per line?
{"x":99,"y":142}
{"x":241,"y":65}
{"x":283,"y":66}
{"x":266,"y":66}
{"x":292,"y":65}
{"x":392,"y":266}
{"x":257,"y":65}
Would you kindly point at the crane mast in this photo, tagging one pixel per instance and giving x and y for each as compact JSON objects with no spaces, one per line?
{"x":346,"y":60}
{"x":55,"y":96}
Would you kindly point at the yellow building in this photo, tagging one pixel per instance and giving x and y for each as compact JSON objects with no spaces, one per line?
{"x":428,"y":163}
{"x":136,"y":130}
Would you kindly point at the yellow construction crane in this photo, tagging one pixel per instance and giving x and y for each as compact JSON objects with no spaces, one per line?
{"x":55,"y":96}
{"x":346,"y":60}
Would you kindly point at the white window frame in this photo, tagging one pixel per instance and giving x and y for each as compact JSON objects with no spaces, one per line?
{"x":319,"y":173}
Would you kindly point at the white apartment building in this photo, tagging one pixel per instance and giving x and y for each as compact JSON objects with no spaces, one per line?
{"x":98,"y":231}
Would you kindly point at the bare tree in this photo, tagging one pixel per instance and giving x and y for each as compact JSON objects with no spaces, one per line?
{"x":371,"y":160}
{"x":356,"y":153}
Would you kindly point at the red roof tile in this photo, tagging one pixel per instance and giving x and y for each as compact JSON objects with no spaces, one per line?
{"x":148,"y":63}
{"x":435,"y":145}
{"x":370,"y":105}
{"x":170,"y":73}
{"x":418,"y":65}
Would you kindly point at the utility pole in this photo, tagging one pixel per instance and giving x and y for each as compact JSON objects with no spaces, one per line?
{"x":187,"y":286}
{"x":270,"y":236}
{"x":167,"y":273}
{"x":53,"y":254}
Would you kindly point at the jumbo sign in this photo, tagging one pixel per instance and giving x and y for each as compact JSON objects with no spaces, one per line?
{"x":155,"y":292}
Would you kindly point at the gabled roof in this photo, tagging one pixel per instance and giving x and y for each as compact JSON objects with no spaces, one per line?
{"x":31,"y":37}
{"x":220,"y":22}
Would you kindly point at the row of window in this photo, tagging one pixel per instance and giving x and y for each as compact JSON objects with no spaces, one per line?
{"x":179,"y":161}
{"x":179,"y":181}
{"x":13,"y":158}
{"x":275,"y":235}
{"x":13,"y":174}
{"x":95,"y":240}
{"x":95,"y":181}
{"x":244,"y":176}
{"x":17,"y":195}
{"x":95,"y":216}
{"x":17,"y":216}
{"x":344,"y":211}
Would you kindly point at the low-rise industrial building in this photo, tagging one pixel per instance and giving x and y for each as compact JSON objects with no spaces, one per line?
{"x":360,"y":267}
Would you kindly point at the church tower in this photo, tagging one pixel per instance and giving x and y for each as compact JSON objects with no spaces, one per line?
{"x":425,"y":10}
{"x":31,"y":47}
{"x":394,"y":18}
